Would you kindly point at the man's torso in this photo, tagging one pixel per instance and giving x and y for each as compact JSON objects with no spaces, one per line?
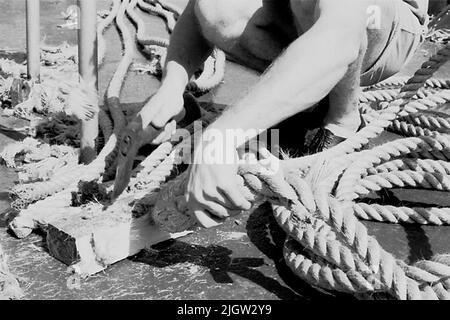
{"x":271,"y":26}
{"x":279,"y":10}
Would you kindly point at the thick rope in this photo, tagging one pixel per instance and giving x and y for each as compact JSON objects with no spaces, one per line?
{"x":397,"y":82}
{"x":101,"y":28}
{"x":155,"y":8}
{"x":214,"y":67}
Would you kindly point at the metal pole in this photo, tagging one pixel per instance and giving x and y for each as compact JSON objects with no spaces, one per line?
{"x":88,"y":68}
{"x":33,"y":40}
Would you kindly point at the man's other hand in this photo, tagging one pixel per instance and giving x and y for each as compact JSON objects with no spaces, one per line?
{"x":213,"y":190}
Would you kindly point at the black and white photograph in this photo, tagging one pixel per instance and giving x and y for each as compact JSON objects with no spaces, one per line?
{"x":225,"y":158}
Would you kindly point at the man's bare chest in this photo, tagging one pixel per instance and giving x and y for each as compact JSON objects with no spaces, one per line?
{"x":292,"y":17}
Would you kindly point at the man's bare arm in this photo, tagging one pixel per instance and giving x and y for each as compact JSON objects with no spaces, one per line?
{"x":307,"y":71}
{"x":187,"y":51}
{"x":188,"y":48}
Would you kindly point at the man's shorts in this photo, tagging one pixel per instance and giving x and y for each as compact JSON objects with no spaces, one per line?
{"x":406,"y":36}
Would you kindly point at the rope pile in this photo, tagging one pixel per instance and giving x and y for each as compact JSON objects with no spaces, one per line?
{"x":318,"y":199}
{"x":438,"y":27}
{"x":54,"y":194}
{"x":111,"y":117}
{"x":59,"y":76}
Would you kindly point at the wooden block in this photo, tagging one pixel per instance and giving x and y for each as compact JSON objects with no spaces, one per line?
{"x":92,"y":239}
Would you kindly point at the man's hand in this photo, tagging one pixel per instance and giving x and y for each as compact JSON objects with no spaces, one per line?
{"x":213,"y":192}
{"x":162,"y":111}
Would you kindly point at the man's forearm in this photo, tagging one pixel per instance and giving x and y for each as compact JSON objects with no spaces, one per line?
{"x":187,"y":51}
{"x":301,"y":77}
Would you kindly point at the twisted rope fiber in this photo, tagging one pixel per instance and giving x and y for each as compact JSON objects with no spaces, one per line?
{"x":177,"y":11}
{"x":378,"y":95}
{"x":155,"y":8}
{"x":435,"y":123}
{"x":101,"y":28}
{"x":420,"y":165}
{"x":432,"y":95}
{"x":407,"y":129}
{"x":397,"y":82}
{"x":392,"y":214}
{"x":370,"y":158}
{"x":212,"y":78}
{"x":402,"y":179}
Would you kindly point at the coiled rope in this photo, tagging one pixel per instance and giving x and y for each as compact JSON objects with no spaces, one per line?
{"x":341,"y":256}
{"x":214,"y":67}
{"x":314,"y":200}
